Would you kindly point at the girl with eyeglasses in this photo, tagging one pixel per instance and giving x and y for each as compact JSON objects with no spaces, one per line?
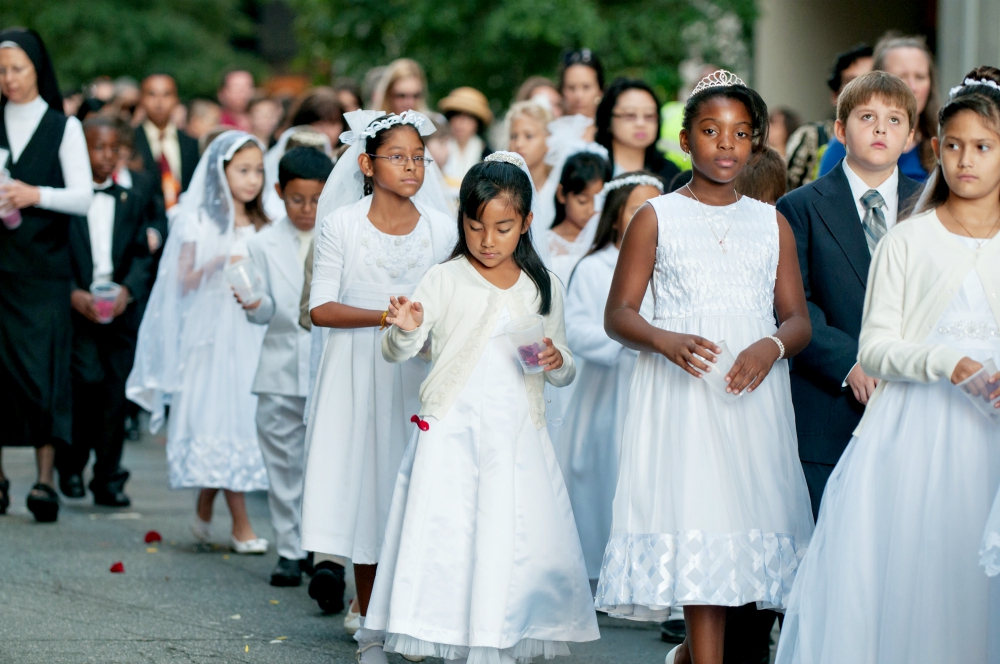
{"x":375,"y":240}
{"x":628,"y":124}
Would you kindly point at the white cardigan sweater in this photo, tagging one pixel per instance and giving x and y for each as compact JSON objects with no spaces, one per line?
{"x":461,"y":310}
{"x":916,"y":271}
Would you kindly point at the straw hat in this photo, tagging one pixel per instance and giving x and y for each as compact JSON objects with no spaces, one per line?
{"x":469,"y":101}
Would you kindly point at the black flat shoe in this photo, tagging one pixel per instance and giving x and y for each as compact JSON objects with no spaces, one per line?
{"x":4,"y":496}
{"x":307,"y":565}
{"x":327,"y":587}
{"x":112,"y":499}
{"x":43,"y":502}
{"x":287,"y":573}
{"x":71,"y":485}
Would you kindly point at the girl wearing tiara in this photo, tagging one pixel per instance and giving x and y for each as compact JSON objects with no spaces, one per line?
{"x":195,"y":346}
{"x":590,"y":436}
{"x":892,"y":575}
{"x":711,"y":508}
{"x":482,"y":562}
{"x":374,"y":242}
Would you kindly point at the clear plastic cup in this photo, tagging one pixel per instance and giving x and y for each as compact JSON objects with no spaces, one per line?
{"x":716,"y":376}
{"x":105,"y":295}
{"x":243,"y":277}
{"x":9,"y":214}
{"x":978,"y":389}
{"x":527,"y":335}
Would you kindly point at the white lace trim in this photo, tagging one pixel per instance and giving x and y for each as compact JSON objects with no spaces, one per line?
{"x":643,"y":575}
{"x":523,"y":651}
{"x":397,"y":254}
{"x":967,"y":329}
{"x":989,"y":555}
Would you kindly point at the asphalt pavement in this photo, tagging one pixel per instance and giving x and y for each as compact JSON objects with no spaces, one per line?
{"x":178,"y":601}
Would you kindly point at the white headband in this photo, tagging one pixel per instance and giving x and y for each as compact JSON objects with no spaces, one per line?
{"x":637,"y":180}
{"x":969,"y":82}
{"x":512,"y":158}
{"x":406,"y":117}
{"x":10,"y":44}
{"x":718,"y":79}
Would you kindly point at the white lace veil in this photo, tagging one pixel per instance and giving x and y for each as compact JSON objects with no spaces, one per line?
{"x":198,"y":246}
{"x":273,"y":205}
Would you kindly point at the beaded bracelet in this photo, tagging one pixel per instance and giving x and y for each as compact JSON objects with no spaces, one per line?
{"x":781,"y":347}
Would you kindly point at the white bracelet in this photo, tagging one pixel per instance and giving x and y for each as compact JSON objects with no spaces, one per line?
{"x":781,"y":347}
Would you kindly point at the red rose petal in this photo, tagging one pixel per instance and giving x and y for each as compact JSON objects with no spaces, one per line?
{"x":118,"y":568}
{"x":153,"y":536}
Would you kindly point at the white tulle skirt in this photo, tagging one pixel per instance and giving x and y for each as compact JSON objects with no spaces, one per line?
{"x":892,"y":575}
{"x":711,"y":505}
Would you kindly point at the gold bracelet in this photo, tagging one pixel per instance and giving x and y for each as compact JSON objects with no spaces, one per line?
{"x":382,"y":325}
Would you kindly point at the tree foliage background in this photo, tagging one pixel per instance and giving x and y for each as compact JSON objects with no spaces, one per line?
{"x":191,"y":39}
{"x":495,"y":45}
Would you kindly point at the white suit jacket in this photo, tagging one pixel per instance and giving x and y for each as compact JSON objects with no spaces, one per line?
{"x":284,"y":359}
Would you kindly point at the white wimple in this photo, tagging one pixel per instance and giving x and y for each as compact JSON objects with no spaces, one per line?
{"x":717,"y":79}
{"x":973,"y":81}
{"x":637,"y":180}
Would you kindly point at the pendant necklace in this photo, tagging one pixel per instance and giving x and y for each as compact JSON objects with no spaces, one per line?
{"x":711,"y":227}
{"x":979,"y":241}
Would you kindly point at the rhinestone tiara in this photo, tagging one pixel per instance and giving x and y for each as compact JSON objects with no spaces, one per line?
{"x":511,"y":158}
{"x":718,"y":79}
{"x":973,"y":81}
{"x":637,"y":180}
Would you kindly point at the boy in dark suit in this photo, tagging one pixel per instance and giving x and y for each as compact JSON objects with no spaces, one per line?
{"x":838,"y":220}
{"x":108,"y":245}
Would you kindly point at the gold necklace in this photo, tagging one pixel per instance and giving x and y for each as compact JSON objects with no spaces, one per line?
{"x":721,"y":240}
{"x":979,"y":245}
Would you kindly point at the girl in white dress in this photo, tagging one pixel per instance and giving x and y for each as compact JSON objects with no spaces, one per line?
{"x":591,"y":433}
{"x":196,"y":350}
{"x":482,"y":562}
{"x":711,"y":508}
{"x":378,"y":244}
{"x":892,"y":575}
{"x":576,"y":210}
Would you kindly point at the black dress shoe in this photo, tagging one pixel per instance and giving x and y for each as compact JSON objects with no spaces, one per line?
{"x":111,"y":498}
{"x":286,"y":573}
{"x":71,"y":485}
{"x":327,"y":587}
{"x":43,"y":502}
{"x":673,"y":631}
{"x":307,"y":565}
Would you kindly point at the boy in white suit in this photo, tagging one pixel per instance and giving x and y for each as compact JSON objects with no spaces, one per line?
{"x":282,"y":382}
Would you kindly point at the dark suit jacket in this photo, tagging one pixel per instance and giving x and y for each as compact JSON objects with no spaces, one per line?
{"x":834,"y":259}
{"x":129,"y":254}
{"x":189,"y":159}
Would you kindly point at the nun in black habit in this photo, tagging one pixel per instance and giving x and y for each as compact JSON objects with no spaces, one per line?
{"x":45,"y":154}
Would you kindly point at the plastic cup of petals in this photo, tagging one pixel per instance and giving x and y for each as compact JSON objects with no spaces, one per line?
{"x":527,"y":335}
{"x":243,"y":277}
{"x":105,"y":294}
{"x":715,"y":378}
{"x":978,"y":389}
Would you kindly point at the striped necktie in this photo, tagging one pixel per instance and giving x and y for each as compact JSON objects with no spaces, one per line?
{"x":874,"y":221}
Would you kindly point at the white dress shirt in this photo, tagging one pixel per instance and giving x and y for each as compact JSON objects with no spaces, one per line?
{"x":169,"y":146}
{"x":21,"y":121}
{"x":889,"y":191}
{"x":101,"y":222}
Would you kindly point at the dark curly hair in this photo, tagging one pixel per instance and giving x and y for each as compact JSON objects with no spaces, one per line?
{"x":749,"y":97}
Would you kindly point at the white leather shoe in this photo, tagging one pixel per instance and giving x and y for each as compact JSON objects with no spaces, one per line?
{"x":352,"y":621}
{"x":671,"y":655}
{"x":202,"y":530}
{"x":254,"y":546}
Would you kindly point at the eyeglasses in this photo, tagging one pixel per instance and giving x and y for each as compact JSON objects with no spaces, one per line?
{"x":402,"y":160}
{"x":635,"y":118}
{"x":407,"y":95}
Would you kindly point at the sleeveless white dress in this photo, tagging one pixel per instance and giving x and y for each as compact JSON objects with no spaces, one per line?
{"x":711,"y":505}
{"x":212,"y":439}
{"x":892,"y":575}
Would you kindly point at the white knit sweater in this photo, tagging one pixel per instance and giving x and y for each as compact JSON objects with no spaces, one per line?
{"x":461,"y":310}
{"x":916,"y":271}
